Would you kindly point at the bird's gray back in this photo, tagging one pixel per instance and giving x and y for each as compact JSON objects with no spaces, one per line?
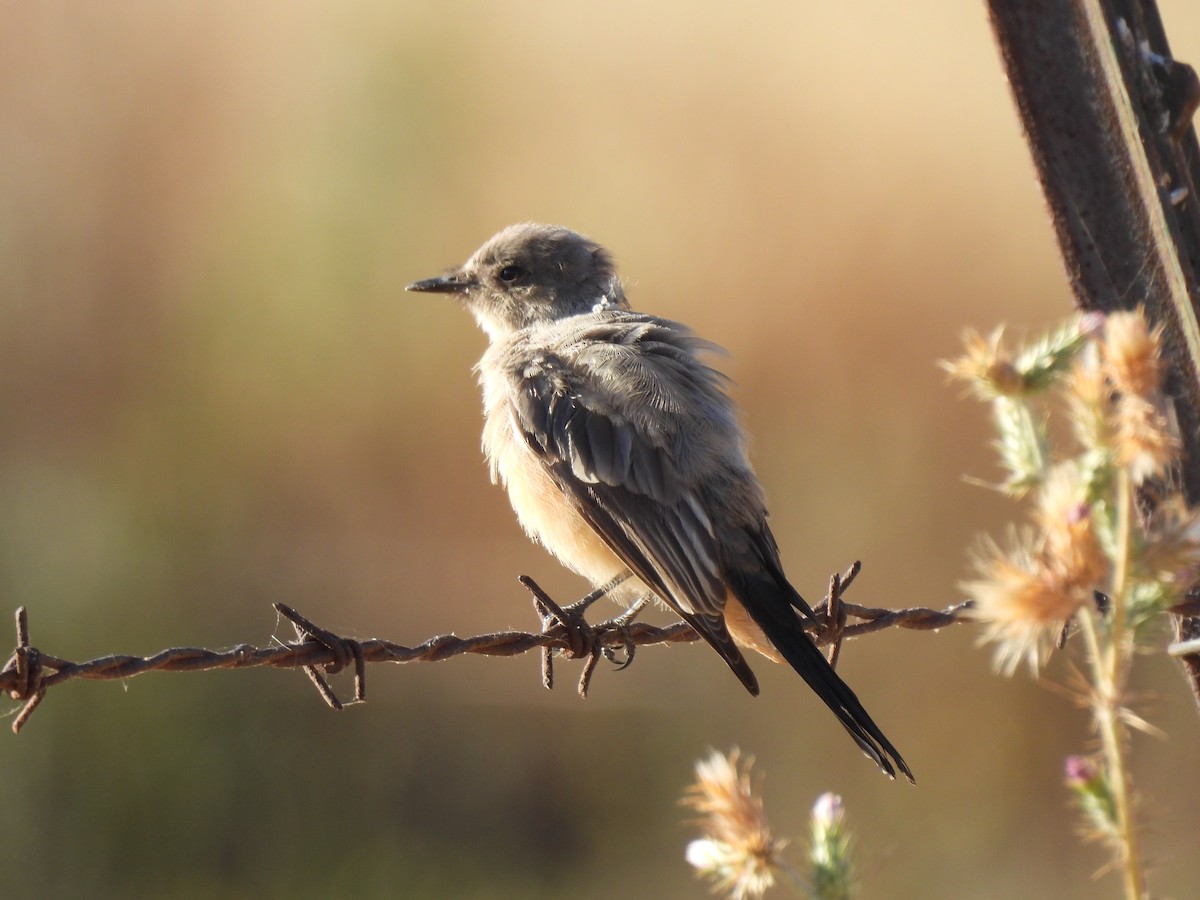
{"x":636,"y":370}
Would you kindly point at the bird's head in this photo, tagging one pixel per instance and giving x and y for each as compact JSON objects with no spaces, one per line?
{"x":530,"y":274}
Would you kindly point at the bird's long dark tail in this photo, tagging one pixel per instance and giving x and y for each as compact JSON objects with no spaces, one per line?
{"x":776,"y":606}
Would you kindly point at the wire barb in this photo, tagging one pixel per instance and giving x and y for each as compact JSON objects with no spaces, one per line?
{"x":833,"y":614}
{"x":343,"y":649}
{"x":30,"y":673}
{"x":25,"y":665}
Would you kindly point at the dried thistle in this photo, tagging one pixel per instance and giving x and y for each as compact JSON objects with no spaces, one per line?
{"x":1143,"y":437}
{"x":1087,"y":537}
{"x":738,"y":853}
{"x":1008,"y":381}
{"x":1141,"y":433}
{"x":992,"y":371}
{"x":1022,"y":604}
{"x":1132,"y":353}
{"x":1071,"y":550}
{"x":986,"y":366}
{"x":1026,"y":594}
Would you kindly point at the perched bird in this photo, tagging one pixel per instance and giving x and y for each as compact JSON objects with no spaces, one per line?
{"x":622,"y":453}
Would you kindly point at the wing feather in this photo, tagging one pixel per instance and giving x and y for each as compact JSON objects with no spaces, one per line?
{"x":621,"y":477}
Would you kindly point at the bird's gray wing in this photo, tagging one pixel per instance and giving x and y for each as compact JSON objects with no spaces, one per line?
{"x":620,"y":474}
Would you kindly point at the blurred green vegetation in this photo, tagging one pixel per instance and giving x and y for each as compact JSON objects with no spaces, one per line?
{"x":216,"y":396}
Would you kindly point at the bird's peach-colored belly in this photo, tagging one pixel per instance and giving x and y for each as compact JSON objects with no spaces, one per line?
{"x":549,"y":518}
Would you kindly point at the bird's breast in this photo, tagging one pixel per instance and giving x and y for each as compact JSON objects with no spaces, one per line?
{"x":541,"y":507}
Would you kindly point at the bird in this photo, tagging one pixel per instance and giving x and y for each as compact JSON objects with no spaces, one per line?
{"x":622,"y":454}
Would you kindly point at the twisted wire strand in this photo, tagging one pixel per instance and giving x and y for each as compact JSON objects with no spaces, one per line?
{"x":30,"y":673}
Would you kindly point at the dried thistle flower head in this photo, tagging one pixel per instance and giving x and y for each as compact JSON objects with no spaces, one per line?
{"x":738,"y":853}
{"x":1132,"y":353}
{"x":1145,"y":441}
{"x":1027,"y":594}
{"x":1142,"y":434}
{"x":1022,"y":604}
{"x":986,"y":366}
{"x":992,"y":371}
{"x":1071,"y":551}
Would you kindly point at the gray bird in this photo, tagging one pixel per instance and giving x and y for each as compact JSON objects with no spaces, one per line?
{"x":622,"y":453}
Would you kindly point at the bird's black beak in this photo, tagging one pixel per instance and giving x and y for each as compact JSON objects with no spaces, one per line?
{"x":450,"y":283}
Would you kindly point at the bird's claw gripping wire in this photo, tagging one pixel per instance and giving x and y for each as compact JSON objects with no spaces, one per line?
{"x":621,"y":624}
{"x":582,"y":640}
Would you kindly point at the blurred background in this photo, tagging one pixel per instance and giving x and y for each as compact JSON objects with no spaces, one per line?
{"x":216,"y":395}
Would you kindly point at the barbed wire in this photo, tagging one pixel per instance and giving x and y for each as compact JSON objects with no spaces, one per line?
{"x":30,"y":673}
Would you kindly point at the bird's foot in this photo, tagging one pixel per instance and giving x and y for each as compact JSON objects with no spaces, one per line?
{"x":581,"y":606}
{"x":580,"y":637}
{"x":613,"y":653}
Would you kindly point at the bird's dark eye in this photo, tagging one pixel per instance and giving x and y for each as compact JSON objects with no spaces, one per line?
{"x":511,"y":273}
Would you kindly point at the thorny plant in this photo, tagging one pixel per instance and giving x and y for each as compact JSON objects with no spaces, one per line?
{"x":739,"y":853}
{"x":1090,"y":562}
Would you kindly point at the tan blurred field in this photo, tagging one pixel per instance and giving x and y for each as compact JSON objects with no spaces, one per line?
{"x":216,"y":395}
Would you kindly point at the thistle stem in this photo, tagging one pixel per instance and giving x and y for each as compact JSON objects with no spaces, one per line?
{"x":1110,"y":655}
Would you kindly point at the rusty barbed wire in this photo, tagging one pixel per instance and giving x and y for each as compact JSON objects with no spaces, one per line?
{"x":30,"y":673}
